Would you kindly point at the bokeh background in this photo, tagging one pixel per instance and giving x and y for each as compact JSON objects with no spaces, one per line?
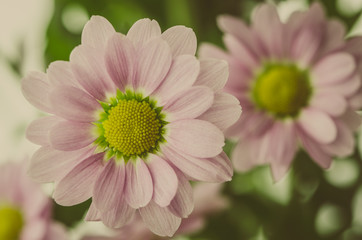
{"x":308,"y":204}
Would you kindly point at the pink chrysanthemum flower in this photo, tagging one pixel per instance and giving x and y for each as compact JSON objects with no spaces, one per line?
{"x":208,"y":200}
{"x":134,"y":117}
{"x":298,"y":83}
{"x":25,"y":211}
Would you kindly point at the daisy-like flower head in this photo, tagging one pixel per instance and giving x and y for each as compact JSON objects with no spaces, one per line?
{"x":133,"y":118}
{"x":25,"y":211}
{"x":298,"y":82}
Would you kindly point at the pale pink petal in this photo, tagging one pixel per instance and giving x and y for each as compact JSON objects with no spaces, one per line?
{"x":189,"y":103}
{"x":236,"y":27}
{"x":139,"y":185}
{"x":207,"y":50}
{"x":121,"y":60}
{"x":335,"y":36}
{"x":118,"y":216}
{"x":344,"y":144}
{"x":343,"y":66}
{"x":346,"y":88}
{"x":49,"y":165}
{"x":183,"y":203}
{"x":240,"y":51}
{"x":181,"y":39}
{"x":159,"y":220}
{"x":73,"y":104}
{"x":69,"y":136}
{"x":355,"y":101}
{"x":38,"y":130}
{"x":215,"y":169}
{"x":196,"y":137}
{"x":318,"y":125}
{"x":334,"y":105}
{"x":56,"y":231}
{"x":144,"y":30}
{"x":213,"y":73}
{"x":109,"y":185}
{"x":305,"y":46}
{"x":34,"y":230}
{"x":164,"y":180}
{"x":224,"y":112}
{"x":283,"y":145}
{"x":97,"y":31}
{"x":182,"y":75}
{"x":36,"y":88}
{"x":154,"y":63}
{"x":93,"y":214}
{"x":89,"y":68}
{"x":60,"y":74}
{"x":77,"y":185}
{"x":352,"y":119}
{"x":251,"y":124}
{"x":242,"y":156}
{"x":267,"y":24}
{"x":314,"y":150}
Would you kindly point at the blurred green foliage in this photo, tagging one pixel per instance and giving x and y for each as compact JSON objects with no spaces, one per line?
{"x":257,"y":211}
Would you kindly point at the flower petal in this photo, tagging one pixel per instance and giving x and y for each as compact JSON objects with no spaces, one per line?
{"x":77,"y":185}
{"x":342,"y":64}
{"x":108,"y":189}
{"x":153,"y":65}
{"x":60,"y":74}
{"x":306,"y":45}
{"x":69,"y":136}
{"x":49,"y":165}
{"x":139,"y":185}
{"x":144,"y":30}
{"x":93,"y":214}
{"x":343,"y":146}
{"x":196,"y":137}
{"x":314,"y":150}
{"x":181,"y":39}
{"x":120,"y":60}
{"x":73,"y":104}
{"x":215,"y":169}
{"x":159,"y":220}
{"x":237,"y":28}
{"x":164,"y":180}
{"x":189,"y":103}
{"x":213,"y":73}
{"x":38,"y":131}
{"x":88,"y":66}
{"x":267,"y":24}
{"x":36,"y":90}
{"x":334,"y":105}
{"x":182,"y":75}
{"x":240,"y":51}
{"x":224,"y":112}
{"x":318,"y":125}
{"x":97,"y":31}
{"x":120,"y":215}
{"x":183,"y":203}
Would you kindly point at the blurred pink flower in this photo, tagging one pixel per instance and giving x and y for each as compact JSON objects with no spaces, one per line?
{"x":25,"y":211}
{"x":134,"y":117}
{"x":208,"y":201}
{"x":299,"y":83}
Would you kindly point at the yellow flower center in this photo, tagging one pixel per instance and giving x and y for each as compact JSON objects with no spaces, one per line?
{"x":11,"y":223}
{"x":132,"y":127}
{"x":282,"y":90}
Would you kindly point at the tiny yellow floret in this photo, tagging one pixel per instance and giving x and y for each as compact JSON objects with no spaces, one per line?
{"x":132,"y":127}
